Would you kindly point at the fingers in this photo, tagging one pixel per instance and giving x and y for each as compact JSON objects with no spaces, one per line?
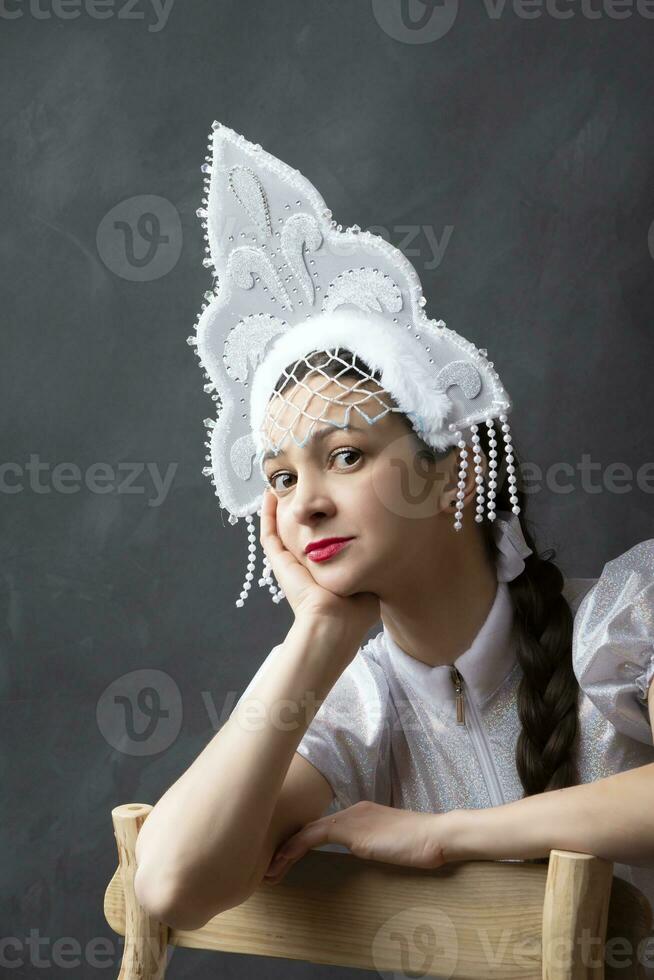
{"x":292,"y":577}
{"x":322,"y":831}
{"x":283,"y":861}
{"x":269,"y":535}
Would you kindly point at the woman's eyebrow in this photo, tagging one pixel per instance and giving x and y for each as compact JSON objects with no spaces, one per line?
{"x":316,"y":435}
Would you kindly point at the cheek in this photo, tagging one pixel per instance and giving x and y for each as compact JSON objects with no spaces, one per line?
{"x":284,"y":528}
{"x":403,"y":486}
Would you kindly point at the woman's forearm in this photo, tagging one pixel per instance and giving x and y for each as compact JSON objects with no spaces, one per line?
{"x":204,"y":835}
{"x":612,"y":818}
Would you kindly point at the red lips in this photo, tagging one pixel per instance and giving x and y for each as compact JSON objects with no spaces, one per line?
{"x":313,"y":545}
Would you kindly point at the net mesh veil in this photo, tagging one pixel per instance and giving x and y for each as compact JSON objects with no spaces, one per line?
{"x":326,"y":368}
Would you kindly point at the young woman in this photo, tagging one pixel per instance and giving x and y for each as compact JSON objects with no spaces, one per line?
{"x":470,"y":697}
{"x":501,"y":711}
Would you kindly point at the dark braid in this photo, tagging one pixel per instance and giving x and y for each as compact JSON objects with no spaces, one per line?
{"x":548,"y":689}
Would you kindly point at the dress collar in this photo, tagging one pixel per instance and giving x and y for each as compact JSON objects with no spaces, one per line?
{"x":483,"y":666}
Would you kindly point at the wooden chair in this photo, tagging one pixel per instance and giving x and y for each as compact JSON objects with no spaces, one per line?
{"x":466,"y":920}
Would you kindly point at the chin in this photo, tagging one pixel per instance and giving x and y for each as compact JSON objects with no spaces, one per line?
{"x":341,"y":581}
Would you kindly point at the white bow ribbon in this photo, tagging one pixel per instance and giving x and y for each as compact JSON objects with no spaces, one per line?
{"x":513,"y":549}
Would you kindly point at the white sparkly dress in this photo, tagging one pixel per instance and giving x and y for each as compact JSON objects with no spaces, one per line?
{"x":388,"y":729}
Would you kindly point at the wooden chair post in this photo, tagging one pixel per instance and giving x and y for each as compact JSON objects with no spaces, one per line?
{"x":575,"y":916}
{"x":146,"y":939}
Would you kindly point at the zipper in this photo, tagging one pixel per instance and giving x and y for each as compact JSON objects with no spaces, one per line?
{"x":477,"y":736}
{"x":457,"y":680}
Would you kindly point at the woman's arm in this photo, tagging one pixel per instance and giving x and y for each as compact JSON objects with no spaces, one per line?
{"x":204,"y":836}
{"x":203,"y":845}
{"x":612,"y":818}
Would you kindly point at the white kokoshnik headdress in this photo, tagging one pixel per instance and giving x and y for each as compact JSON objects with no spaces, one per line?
{"x":289,"y":281}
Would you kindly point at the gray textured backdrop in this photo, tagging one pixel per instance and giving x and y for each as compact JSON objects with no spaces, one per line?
{"x":509,"y":148}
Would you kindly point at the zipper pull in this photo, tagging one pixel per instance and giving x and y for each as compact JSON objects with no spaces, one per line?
{"x":457,"y":680}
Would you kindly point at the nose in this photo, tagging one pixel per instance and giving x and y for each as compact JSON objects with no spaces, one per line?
{"x":310,"y":501}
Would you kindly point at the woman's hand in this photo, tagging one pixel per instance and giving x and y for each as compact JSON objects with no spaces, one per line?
{"x":309,"y":600}
{"x":370,"y":831}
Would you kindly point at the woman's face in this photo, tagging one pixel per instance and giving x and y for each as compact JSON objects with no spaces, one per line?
{"x":369,"y":482}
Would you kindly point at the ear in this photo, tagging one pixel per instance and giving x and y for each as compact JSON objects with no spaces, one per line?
{"x":451,"y":484}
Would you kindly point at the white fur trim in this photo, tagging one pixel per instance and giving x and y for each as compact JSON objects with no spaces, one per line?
{"x":383,"y":346}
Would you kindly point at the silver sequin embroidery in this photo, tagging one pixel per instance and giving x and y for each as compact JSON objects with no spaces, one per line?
{"x":367,"y":288}
{"x":248,"y":190}
{"x":301,"y":232}
{"x":460,"y":373}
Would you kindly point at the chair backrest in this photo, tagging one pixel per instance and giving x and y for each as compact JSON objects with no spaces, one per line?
{"x":477,"y":919}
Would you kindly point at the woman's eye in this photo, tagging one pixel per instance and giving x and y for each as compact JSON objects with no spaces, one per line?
{"x":275,"y":477}
{"x":347,"y":452}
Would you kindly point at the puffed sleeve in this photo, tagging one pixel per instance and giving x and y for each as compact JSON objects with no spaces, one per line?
{"x":348,"y":739}
{"x":613,"y":641}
